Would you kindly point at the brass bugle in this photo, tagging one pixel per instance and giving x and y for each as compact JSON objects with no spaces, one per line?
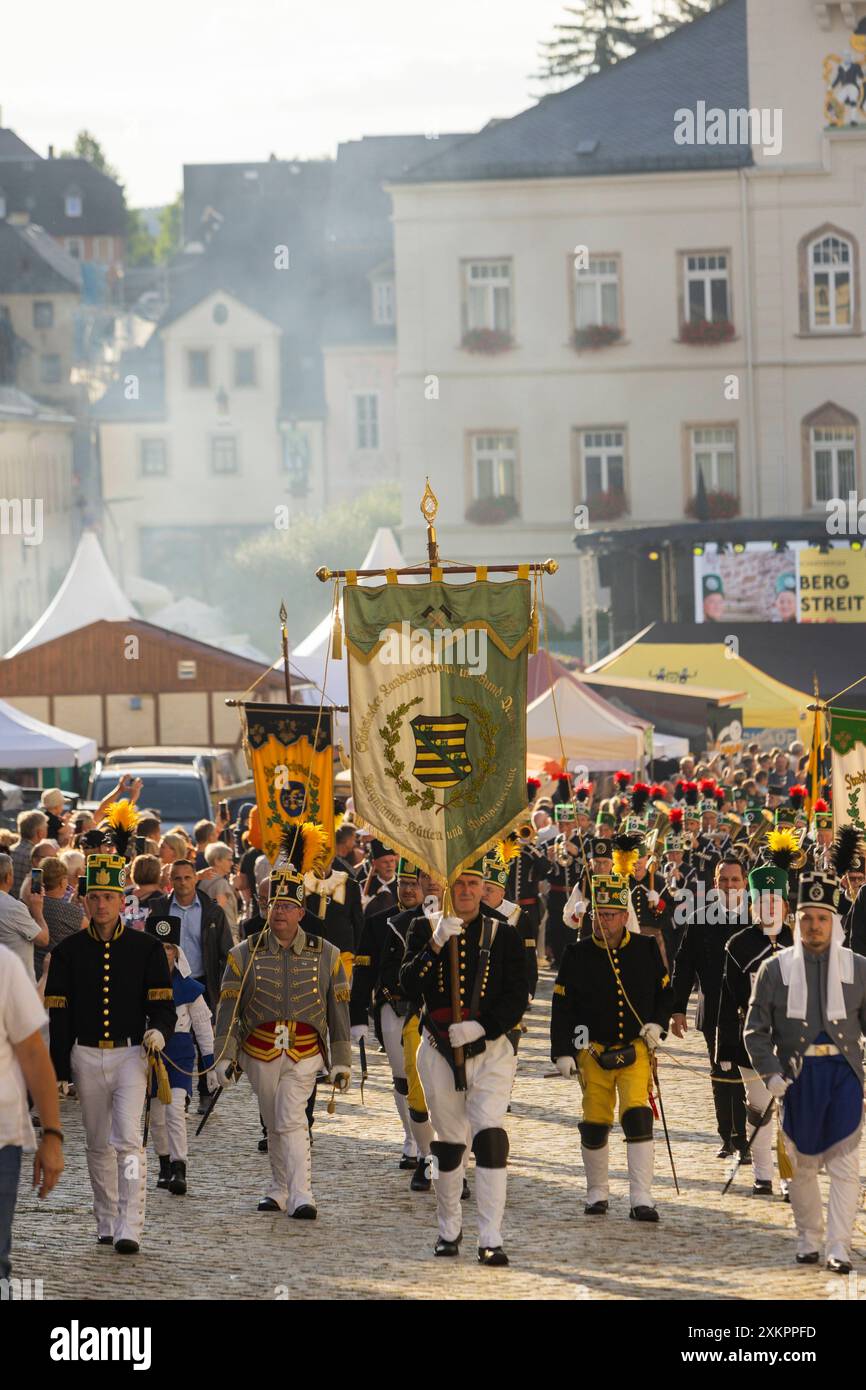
{"x":525,"y":831}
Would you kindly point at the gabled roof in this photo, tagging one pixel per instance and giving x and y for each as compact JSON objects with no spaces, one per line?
{"x":31,"y":262}
{"x":623,"y":117}
{"x":38,"y":187}
{"x":13,"y":147}
{"x":89,"y":593}
{"x":17,"y":405}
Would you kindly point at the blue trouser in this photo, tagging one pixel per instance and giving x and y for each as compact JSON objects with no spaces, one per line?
{"x":10,"y":1168}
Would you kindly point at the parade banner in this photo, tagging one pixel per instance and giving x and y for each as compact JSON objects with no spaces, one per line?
{"x":289,"y":750}
{"x":848,"y":750}
{"x":437,"y":708}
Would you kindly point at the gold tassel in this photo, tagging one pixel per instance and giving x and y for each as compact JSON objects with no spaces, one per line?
{"x":163,"y":1087}
{"x":533,"y":633}
{"x":785,"y":1169}
{"x":337,"y":638}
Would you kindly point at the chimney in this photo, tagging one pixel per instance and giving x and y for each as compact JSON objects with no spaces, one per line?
{"x":50,"y":151}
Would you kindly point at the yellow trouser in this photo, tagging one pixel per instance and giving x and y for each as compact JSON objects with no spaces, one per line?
{"x":348,"y":959}
{"x":411,"y":1043}
{"x":600,"y":1087}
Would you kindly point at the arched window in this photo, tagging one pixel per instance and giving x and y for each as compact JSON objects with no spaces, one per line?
{"x":829,"y":282}
{"x":831,"y":455}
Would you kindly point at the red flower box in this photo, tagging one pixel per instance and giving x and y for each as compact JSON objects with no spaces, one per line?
{"x":721,"y":506}
{"x":491,"y":511}
{"x":607,"y":506}
{"x":702,"y":333}
{"x":595,"y":335}
{"x":487,"y":340}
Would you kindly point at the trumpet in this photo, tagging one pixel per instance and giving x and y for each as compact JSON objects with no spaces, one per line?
{"x":524,"y":832}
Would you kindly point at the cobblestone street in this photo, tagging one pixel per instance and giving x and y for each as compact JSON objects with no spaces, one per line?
{"x":374,"y":1239}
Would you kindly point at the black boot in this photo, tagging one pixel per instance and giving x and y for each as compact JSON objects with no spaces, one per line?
{"x":164,"y":1170}
{"x":177,"y":1181}
{"x":421,"y":1177}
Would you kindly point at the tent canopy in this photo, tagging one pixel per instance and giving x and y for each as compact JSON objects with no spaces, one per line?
{"x":27,"y":742}
{"x":89,"y":593}
{"x":767,"y":703}
{"x":593,"y":733}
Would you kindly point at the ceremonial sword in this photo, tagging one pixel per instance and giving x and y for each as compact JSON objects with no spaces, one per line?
{"x":232,"y":1068}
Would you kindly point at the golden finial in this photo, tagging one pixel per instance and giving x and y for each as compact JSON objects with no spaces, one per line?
{"x":283,"y":614}
{"x":429,"y":504}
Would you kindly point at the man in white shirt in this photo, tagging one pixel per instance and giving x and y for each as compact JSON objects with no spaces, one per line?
{"x":25,"y":1065}
{"x":20,"y":928}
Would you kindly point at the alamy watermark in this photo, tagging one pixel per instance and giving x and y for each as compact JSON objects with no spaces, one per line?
{"x":22,"y":516}
{"x":712,"y":125}
{"x":416,"y":646}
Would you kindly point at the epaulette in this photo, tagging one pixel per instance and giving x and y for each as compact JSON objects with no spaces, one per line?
{"x":314,"y":945}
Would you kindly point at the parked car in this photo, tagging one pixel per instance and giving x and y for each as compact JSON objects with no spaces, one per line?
{"x":222,"y":766}
{"x":179,"y":793}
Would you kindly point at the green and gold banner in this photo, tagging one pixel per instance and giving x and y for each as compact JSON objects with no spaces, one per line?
{"x":848,"y":749}
{"x":289,"y":749}
{"x":437,"y":701}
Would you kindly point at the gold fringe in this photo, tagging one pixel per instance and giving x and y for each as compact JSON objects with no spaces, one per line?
{"x":337,"y":639}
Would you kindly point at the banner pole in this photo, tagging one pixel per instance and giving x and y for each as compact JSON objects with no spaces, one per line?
{"x":284,"y":638}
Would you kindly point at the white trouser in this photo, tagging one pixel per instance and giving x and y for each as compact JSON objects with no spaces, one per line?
{"x":762,"y":1145}
{"x":168,"y":1125}
{"x":641,"y":1161}
{"x":392,"y":1037}
{"x":283,"y":1088}
{"x":111,"y":1085}
{"x":482,"y":1105}
{"x":843,"y":1170}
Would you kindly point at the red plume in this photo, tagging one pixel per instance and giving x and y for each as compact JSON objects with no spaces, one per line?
{"x":676,"y":817}
{"x":820,"y":805}
{"x":707,"y":786}
{"x":797,"y":795}
{"x":622,"y":778}
{"x":658,"y":792}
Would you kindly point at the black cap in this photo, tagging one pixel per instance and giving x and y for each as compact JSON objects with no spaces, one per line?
{"x":166,"y":929}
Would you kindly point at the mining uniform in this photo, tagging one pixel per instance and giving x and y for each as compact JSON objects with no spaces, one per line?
{"x":561,"y":879}
{"x":525,"y":876}
{"x":168,"y":1122}
{"x":376,"y":992}
{"x":590,"y":992}
{"x":281,"y":1018}
{"x":744,"y":953}
{"x":654,"y":916}
{"x":334,"y":905}
{"x":102,"y":996}
{"x":494,"y":993}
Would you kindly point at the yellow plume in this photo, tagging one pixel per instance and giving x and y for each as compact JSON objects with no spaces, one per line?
{"x":624,"y":861}
{"x":122,"y":815}
{"x":783,"y":840}
{"x":315,"y":849}
{"x":505,"y":851}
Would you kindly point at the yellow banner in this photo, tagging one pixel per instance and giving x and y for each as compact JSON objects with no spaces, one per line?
{"x":289,"y":749}
{"x":832,"y":586}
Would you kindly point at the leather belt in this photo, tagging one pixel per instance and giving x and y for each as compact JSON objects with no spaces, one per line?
{"x":108,"y":1042}
{"x":822,"y":1050}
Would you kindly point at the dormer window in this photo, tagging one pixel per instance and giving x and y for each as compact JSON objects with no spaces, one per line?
{"x":73,"y":203}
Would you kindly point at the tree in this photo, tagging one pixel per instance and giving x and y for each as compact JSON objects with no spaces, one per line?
{"x":673,"y":13}
{"x":282,"y":564}
{"x":140,"y":243}
{"x":604,"y":32}
{"x":88,"y":147}
{"x":170,"y":235}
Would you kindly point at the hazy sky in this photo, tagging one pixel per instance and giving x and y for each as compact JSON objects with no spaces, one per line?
{"x":162,"y":83}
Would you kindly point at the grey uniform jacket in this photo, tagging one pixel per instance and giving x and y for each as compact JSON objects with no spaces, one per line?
{"x":774,"y":1041}
{"x":301,"y":983}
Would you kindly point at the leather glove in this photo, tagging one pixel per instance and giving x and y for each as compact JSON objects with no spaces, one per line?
{"x":725,"y":1066}
{"x":566,"y":1066}
{"x":339,"y":1077}
{"x":445,"y":928}
{"x":226,"y":1072}
{"x":358,"y":1031}
{"x":652,"y":897}
{"x":652,"y":1035}
{"x":459,"y":1034}
{"x":777,"y":1085}
{"x":153,"y":1040}
{"x":210,"y":1079}
{"x":63,"y":1088}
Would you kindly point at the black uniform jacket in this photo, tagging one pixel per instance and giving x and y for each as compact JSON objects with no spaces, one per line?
{"x":701,"y":959}
{"x":106,"y":991}
{"x":425,"y":979}
{"x":341,"y":923}
{"x":591,"y":990}
{"x":376,"y":972}
{"x":744,"y":952}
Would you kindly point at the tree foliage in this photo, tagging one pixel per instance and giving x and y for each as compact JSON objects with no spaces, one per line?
{"x":170,"y":234}
{"x":282,"y":564}
{"x":602,"y":32}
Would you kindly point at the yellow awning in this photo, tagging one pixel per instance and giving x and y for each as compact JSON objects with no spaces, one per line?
{"x":767,"y":703}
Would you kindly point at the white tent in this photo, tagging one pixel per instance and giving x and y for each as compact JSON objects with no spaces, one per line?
{"x":89,"y":594}
{"x":594,"y":734}
{"x":27,"y":742}
{"x":307,"y":660}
